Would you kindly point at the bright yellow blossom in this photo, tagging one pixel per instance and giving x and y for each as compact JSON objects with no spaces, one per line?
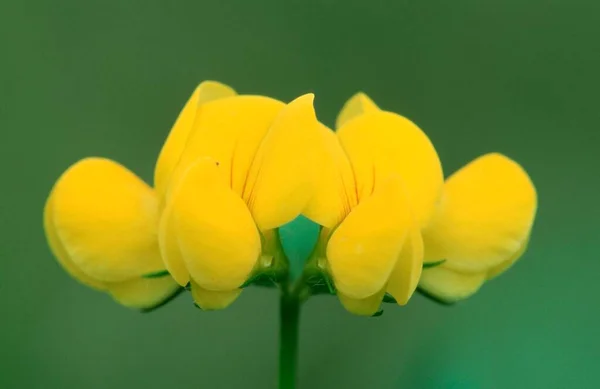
{"x":380,"y":184}
{"x":101,"y":224}
{"x":233,"y":169}
{"x":386,"y":211}
{"x":480,"y":228}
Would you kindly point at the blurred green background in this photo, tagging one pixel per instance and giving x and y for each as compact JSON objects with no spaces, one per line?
{"x":108,"y":78}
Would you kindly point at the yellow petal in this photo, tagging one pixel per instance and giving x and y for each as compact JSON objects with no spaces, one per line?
{"x":363,"y":250}
{"x":61,"y":254}
{"x":485,"y":216}
{"x":357,"y":105}
{"x":381,"y":143}
{"x":143,"y":292}
{"x":405,"y":276}
{"x":210,"y":300}
{"x":499,"y":269}
{"x":448,"y":285}
{"x":283,"y":172}
{"x":218,"y":239}
{"x":363,"y":307}
{"x":178,"y":137}
{"x":169,"y":247}
{"x":335,"y":190}
{"x":106,"y":221}
{"x":230,"y":131}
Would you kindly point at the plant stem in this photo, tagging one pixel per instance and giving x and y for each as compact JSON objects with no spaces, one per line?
{"x":289,"y":311}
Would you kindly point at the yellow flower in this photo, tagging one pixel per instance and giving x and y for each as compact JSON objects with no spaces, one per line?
{"x":380,"y":184}
{"x":481,"y":226}
{"x":386,"y":211}
{"x":232,"y":171}
{"x":101,"y":224}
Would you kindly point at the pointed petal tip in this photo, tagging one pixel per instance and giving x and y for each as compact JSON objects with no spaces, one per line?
{"x":356,"y":106}
{"x":305,"y":103}
{"x":211,"y":90}
{"x":362,"y":97}
{"x":308,"y":97}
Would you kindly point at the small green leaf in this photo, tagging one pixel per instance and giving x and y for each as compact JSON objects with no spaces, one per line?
{"x":157,"y":274}
{"x":378,"y":313}
{"x":428,"y":265}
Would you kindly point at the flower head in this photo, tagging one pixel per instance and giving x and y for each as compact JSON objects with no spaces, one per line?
{"x":480,"y":228}
{"x":386,"y":212}
{"x":101,"y":224}
{"x":233,"y":169}
{"x":380,"y":185}
{"x":236,"y":172}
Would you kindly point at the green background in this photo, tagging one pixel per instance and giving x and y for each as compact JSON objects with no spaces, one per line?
{"x":108,"y":78}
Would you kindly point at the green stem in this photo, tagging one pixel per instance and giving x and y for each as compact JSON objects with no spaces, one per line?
{"x":288,"y":340}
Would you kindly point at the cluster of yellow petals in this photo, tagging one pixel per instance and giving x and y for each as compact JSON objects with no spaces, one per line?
{"x":388,"y":213}
{"x":235,"y":168}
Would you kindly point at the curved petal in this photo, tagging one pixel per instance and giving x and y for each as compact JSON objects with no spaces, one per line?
{"x":169,"y":247}
{"x":218,"y":239}
{"x":405,"y":276}
{"x":178,"y":137}
{"x":449,"y":285}
{"x":143,"y":292}
{"x":61,"y":254}
{"x":363,"y":250}
{"x":210,"y":300}
{"x":485,"y":216}
{"x":335,"y":190}
{"x":283,"y":172}
{"x":230,"y":131}
{"x":381,"y":143}
{"x":363,"y":307}
{"x":357,"y":105}
{"x":106,"y":220}
{"x":504,"y":266}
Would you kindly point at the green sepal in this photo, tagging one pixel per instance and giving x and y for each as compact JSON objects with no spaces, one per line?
{"x":428,"y":265}
{"x":320,"y":284}
{"x":267,"y":280}
{"x":157,"y":274}
{"x":378,"y":313}
{"x":164,"y":302}
{"x":435,"y":299}
{"x":198,"y":306}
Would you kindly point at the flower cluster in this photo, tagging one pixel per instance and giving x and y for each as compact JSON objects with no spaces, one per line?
{"x":235,"y":168}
